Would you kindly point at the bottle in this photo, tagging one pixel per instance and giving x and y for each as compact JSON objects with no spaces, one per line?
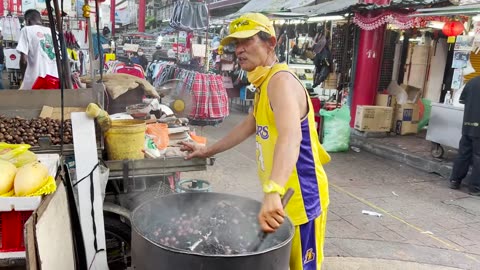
{"x":448,"y":97}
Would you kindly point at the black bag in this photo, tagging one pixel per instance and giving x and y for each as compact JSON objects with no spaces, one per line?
{"x":321,"y":75}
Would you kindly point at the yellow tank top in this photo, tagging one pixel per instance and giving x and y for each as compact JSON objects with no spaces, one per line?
{"x":308,"y":178}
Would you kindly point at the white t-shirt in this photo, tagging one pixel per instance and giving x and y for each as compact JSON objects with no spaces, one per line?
{"x":37,"y":44}
{"x":10,"y":28}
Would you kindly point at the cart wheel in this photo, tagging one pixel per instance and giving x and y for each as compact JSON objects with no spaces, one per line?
{"x":118,"y":237}
{"x":437,"y":150}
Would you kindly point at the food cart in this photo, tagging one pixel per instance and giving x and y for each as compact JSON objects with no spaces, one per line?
{"x":130,"y":181}
{"x":444,"y":128}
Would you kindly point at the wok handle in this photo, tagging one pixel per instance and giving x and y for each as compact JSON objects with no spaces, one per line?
{"x":262,"y":235}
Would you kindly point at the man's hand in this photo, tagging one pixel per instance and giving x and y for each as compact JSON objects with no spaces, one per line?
{"x":271,"y":214}
{"x":195,"y":150}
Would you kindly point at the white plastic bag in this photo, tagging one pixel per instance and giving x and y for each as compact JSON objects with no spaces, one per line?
{"x":396,"y":90}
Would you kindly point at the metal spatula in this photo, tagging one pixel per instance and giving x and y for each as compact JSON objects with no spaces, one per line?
{"x":262,"y":235}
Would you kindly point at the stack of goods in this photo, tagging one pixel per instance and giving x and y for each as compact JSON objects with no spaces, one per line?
{"x":20,"y":130}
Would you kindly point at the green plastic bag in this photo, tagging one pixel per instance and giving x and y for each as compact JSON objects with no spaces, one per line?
{"x":336,"y":129}
{"x":427,"y":104}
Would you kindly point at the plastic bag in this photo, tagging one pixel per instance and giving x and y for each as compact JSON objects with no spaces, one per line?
{"x":159,"y":133}
{"x":10,"y":151}
{"x":336,"y":129}
{"x":425,"y":118}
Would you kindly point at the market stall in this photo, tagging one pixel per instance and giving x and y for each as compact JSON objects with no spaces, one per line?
{"x":56,"y":122}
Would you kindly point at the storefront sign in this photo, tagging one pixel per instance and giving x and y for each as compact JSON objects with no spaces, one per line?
{"x":130,"y":47}
{"x":457,"y":80}
{"x":126,"y":14}
{"x":464,"y":43}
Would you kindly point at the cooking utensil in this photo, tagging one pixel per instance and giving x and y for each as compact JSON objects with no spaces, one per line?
{"x":262,"y":235}
{"x":205,"y":212}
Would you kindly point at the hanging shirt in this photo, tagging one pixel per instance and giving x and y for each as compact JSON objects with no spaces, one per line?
{"x":10,"y":28}
{"x":308,"y":179}
{"x":37,"y":44}
{"x":12,"y":59}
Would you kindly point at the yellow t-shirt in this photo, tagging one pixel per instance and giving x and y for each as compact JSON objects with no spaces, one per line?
{"x":308,"y":179}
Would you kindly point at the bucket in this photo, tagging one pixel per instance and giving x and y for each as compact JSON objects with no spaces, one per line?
{"x":125,"y":139}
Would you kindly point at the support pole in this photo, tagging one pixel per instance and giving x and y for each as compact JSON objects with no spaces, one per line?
{"x":369,"y":61}
{"x":112,"y":15}
{"x":142,"y":8}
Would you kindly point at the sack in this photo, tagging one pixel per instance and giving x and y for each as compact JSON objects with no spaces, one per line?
{"x":336,"y":129}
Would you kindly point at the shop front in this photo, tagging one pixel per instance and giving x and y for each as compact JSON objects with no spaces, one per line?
{"x":427,"y":58}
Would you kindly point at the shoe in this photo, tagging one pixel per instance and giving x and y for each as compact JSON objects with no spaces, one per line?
{"x":474,"y":192}
{"x":455,"y":184}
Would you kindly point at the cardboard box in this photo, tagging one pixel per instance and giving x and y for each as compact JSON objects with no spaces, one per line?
{"x":56,"y":112}
{"x":406,"y":119}
{"x":413,"y":93}
{"x":385,"y":100}
{"x":374,"y":118}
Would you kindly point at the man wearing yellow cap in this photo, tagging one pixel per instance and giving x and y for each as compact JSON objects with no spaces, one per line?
{"x":289,"y":154}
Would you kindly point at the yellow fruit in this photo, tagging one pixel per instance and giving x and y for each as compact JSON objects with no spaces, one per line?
{"x":7,"y":176}
{"x":30,"y":178}
{"x":179,"y":105}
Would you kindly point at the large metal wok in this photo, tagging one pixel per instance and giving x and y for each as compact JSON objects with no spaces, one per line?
{"x":213,"y":231}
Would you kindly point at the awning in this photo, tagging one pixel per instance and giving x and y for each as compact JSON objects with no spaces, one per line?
{"x":272,"y":6}
{"x":451,"y":10}
{"x":330,"y":7}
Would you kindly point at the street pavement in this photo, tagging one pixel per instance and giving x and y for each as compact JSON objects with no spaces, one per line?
{"x":423,"y":224}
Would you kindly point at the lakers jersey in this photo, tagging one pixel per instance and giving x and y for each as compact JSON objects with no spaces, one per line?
{"x":308,"y":179}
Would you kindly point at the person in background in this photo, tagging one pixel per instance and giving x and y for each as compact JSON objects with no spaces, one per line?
{"x":142,"y":59}
{"x":469,"y":150}
{"x":36,"y":48}
{"x":2,"y":61}
{"x":289,"y":154}
{"x":159,"y":54}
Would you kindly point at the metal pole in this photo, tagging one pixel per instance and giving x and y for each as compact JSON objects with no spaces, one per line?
{"x":141,"y":15}
{"x":112,"y":16}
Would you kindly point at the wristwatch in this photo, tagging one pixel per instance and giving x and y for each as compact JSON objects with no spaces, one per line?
{"x":272,"y":187}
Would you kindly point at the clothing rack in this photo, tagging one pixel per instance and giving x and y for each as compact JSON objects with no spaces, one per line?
{"x":209,"y":96}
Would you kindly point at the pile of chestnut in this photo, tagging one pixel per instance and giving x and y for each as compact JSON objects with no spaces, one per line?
{"x":18,"y":130}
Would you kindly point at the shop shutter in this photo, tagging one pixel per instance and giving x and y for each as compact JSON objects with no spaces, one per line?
{"x":475,"y":60}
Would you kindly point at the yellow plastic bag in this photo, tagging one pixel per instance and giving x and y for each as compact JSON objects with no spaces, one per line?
{"x":10,"y":151}
{"x":49,"y":188}
{"x":11,"y":193}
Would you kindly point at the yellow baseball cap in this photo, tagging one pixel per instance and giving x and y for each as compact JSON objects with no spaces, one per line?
{"x":248,"y":25}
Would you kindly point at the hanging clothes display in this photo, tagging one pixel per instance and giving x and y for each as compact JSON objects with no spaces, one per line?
{"x":135,"y":70}
{"x":210,"y":98}
{"x":10,"y":28}
{"x":189,"y":16}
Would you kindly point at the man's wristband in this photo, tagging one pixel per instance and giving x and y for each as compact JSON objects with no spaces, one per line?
{"x":272,"y":187}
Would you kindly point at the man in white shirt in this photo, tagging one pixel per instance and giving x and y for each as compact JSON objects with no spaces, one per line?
{"x":37,"y":50}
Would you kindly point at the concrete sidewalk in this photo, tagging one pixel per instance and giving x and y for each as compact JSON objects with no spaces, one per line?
{"x":424,"y":224}
{"x":412,"y":150}
{"x":347,"y":263}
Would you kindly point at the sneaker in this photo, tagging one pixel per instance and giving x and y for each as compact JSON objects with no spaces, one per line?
{"x":474,"y":192}
{"x":455,"y":184}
